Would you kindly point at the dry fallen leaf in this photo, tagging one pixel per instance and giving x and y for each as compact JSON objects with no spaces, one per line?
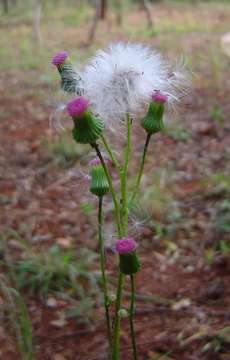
{"x":65,"y":242}
{"x":181,"y":304}
{"x":59,"y":357}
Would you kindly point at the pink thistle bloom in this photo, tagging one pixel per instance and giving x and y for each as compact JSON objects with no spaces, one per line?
{"x":125,"y":245}
{"x":158,"y":97}
{"x":94,"y":162}
{"x":77,"y":106}
{"x":60,"y":58}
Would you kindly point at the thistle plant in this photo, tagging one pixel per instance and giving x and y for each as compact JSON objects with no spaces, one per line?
{"x":124,"y":86}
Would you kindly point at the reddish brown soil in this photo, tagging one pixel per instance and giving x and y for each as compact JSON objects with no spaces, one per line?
{"x":37,"y":193}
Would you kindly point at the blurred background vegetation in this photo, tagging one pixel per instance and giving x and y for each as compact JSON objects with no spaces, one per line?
{"x":49,"y":284}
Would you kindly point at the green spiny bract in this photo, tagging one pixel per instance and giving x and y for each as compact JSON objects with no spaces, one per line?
{"x":152,"y":122}
{"x":99,"y":184}
{"x":87,"y":129}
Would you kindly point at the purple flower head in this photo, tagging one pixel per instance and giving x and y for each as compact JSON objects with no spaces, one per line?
{"x":60,"y":58}
{"x":126,"y":245}
{"x":94,"y":162}
{"x":158,"y":97}
{"x":77,"y":106}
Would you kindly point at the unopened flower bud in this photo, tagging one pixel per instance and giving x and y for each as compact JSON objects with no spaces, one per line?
{"x":153,"y":120}
{"x":99,"y":184}
{"x":123,"y":314}
{"x":112,"y":298}
{"x":129,"y":261}
{"x":87,"y":128}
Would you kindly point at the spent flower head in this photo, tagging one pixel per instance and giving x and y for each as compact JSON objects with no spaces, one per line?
{"x":125,"y":76}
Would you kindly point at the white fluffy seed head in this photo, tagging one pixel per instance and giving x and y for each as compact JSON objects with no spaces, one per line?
{"x":55,"y":118}
{"x":122,"y":78}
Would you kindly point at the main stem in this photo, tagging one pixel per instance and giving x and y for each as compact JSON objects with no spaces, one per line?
{"x":124,"y":217}
{"x":138,"y":182}
{"x":102,"y":265}
{"x":123,"y":175}
{"x":116,"y":347}
{"x":131,"y":316}
{"x":112,"y":190}
{"x":116,"y":343}
{"x":132,"y":279}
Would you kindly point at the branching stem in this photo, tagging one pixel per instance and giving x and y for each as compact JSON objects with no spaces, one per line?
{"x":125,"y":218}
{"x":111,"y":187}
{"x":138,"y":182}
{"x":111,"y":153}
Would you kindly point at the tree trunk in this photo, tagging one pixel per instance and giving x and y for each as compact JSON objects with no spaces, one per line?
{"x":119,"y":17}
{"x":37,"y":21}
{"x":145,"y":6}
{"x":5,"y":4}
{"x":93,"y":28}
{"x":104,"y":8}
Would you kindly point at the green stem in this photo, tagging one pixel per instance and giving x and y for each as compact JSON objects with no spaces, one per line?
{"x":102,"y":265}
{"x":111,"y":153}
{"x":123,"y":175}
{"x":112,"y":190}
{"x":131,"y":316}
{"x":124,"y":217}
{"x":137,"y":186}
{"x":116,"y":344}
{"x":132,"y":279}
